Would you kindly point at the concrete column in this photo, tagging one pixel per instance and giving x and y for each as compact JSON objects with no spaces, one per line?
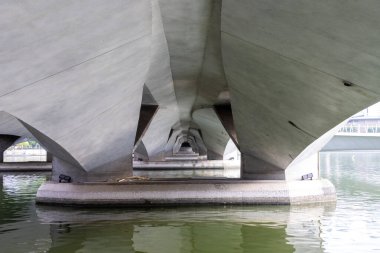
{"x":140,"y":152}
{"x":49,"y":157}
{"x":121,"y":169}
{"x":256,"y":169}
{"x":5,"y":142}
{"x":224,"y":113}
{"x":147,"y":113}
{"x":63,"y":167}
{"x":211,"y":155}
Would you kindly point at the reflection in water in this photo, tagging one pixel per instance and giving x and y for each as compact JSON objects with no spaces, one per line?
{"x":20,"y":230}
{"x":201,"y":229}
{"x":356,"y":223}
{"x":350,"y":226}
{"x":17,"y":194}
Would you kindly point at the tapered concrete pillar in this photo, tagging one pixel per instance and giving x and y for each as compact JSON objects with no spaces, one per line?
{"x":140,"y":153}
{"x":5,"y":142}
{"x":147,"y":113}
{"x":49,"y":157}
{"x":78,"y":174}
{"x":224,"y":113}
{"x":60,"y":166}
{"x":256,"y":169}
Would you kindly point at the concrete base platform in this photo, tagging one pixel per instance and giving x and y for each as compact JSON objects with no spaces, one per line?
{"x":25,"y":167}
{"x":187,"y":192}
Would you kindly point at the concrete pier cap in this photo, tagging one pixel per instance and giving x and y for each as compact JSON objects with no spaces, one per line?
{"x":185,"y":192}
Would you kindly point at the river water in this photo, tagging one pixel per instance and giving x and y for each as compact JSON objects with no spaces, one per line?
{"x":350,"y":225}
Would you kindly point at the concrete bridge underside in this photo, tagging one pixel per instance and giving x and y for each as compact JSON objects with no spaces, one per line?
{"x":94,"y":81}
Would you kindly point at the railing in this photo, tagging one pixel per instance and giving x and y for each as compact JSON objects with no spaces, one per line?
{"x":360,"y":129}
{"x":15,"y":147}
{"x":24,"y":155}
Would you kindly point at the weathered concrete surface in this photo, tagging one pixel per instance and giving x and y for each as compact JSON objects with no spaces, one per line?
{"x":188,"y":192}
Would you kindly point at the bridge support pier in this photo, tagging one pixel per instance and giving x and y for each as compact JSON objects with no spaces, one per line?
{"x":256,"y":169}
{"x":259,"y":185}
{"x":49,"y":157}
{"x":61,"y":167}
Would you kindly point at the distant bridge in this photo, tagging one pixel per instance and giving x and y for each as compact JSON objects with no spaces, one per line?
{"x":358,"y":134}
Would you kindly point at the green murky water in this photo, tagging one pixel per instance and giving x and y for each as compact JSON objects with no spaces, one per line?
{"x":352,"y":225}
